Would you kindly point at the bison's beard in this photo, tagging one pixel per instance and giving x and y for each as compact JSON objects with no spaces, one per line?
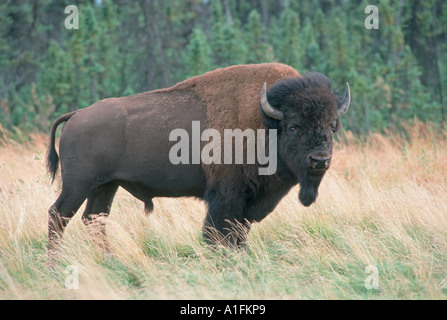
{"x":309,"y":188}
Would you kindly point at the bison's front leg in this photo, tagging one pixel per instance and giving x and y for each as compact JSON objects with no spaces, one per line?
{"x":224,"y":223}
{"x":230,"y":233}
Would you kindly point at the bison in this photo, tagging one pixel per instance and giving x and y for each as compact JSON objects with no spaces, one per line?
{"x":125,"y":142}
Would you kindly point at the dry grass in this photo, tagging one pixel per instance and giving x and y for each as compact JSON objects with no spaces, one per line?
{"x":383,"y":203}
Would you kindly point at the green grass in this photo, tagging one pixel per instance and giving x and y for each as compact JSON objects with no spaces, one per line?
{"x":376,"y":216}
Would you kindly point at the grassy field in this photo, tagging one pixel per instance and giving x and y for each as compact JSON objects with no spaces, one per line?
{"x":377,"y":231}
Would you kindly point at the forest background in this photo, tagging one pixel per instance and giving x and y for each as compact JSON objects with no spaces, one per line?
{"x":397,"y":72}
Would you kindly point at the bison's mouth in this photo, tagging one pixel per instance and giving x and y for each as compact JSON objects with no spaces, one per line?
{"x":317,"y":171}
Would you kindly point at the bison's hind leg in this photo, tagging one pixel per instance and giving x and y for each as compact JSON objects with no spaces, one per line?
{"x":97,"y":209}
{"x":60,"y":213}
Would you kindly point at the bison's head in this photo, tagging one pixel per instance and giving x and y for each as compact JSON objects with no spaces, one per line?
{"x":305,"y":112}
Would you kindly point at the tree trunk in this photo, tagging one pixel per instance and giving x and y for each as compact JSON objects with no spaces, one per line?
{"x":148,"y":40}
{"x":228,"y":12}
{"x":265,"y":20}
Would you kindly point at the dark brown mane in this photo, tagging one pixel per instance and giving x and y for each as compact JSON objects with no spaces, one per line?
{"x":311,"y":96}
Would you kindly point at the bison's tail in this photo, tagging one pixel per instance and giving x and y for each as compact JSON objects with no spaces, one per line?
{"x":52,"y":157}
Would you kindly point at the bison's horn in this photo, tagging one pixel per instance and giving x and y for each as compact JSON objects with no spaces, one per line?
{"x":267,"y":108}
{"x":346,"y":102}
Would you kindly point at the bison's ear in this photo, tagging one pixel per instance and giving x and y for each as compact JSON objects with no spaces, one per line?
{"x":338,"y":125}
{"x":344,"y":106}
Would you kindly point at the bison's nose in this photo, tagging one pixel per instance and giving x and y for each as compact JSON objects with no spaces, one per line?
{"x":318,"y":163}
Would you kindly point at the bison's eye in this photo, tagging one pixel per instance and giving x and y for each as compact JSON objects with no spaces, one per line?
{"x":293,"y":129}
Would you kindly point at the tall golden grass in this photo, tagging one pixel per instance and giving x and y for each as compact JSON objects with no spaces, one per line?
{"x":383,"y":203}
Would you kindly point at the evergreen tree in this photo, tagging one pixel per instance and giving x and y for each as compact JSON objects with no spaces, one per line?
{"x":124,"y":47}
{"x":312,"y":59}
{"x":257,"y":50}
{"x":58,"y":78}
{"x":338,"y":57}
{"x":227,"y":45}
{"x":197,"y":58}
{"x":289,"y":50}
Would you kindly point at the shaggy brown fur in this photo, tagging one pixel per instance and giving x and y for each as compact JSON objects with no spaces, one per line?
{"x":232,"y":94}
